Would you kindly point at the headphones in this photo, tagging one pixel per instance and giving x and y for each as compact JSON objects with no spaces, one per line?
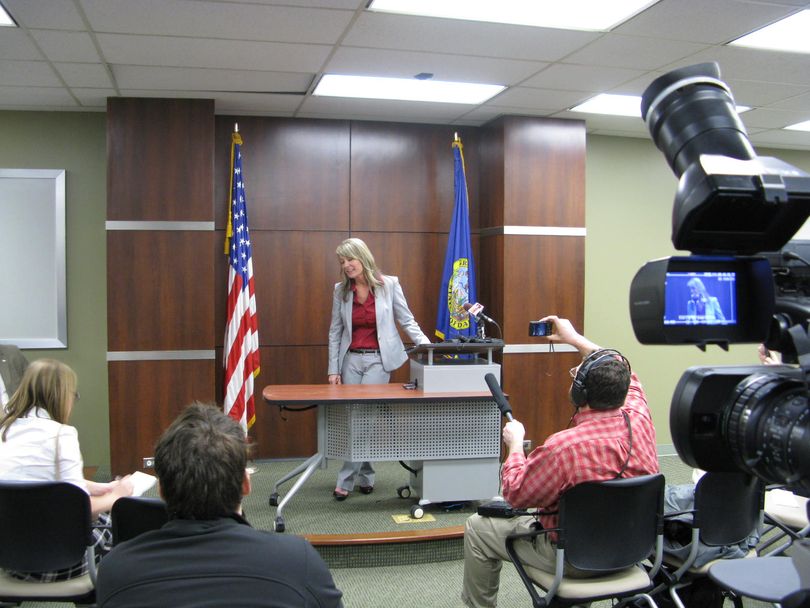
{"x":579,"y":394}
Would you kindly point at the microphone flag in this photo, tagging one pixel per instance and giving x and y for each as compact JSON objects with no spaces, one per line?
{"x":458,"y":278}
{"x":241,"y":352}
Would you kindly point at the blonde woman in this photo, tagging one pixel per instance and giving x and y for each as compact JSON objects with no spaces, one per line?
{"x":364,"y":343}
{"x":36,"y":444}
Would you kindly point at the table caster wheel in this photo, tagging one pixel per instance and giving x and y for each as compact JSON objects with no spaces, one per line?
{"x":404,"y":491}
{"x":417,"y":512}
{"x":279,"y":527}
{"x":273,"y":499}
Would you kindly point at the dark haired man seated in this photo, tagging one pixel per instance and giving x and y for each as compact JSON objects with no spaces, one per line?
{"x":611,"y":416}
{"x":207,"y":554}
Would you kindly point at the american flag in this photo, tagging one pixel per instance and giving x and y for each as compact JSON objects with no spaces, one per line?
{"x":241,"y":356}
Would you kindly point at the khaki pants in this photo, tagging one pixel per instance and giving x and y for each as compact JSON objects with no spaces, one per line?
{"x":485,"y":550}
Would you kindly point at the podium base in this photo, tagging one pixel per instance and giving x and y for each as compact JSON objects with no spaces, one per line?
{"x":453,"y":377}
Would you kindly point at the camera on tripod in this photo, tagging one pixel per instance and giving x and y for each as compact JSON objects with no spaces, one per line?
{"x":745,"y":282}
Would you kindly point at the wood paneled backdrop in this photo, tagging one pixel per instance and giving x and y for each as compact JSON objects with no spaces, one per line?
{"x":309,"y":185}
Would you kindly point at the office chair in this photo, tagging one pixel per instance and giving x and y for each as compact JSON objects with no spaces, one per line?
{"x":609,"y":527}
{"x":133,"y":515}
{"x":777,"y":579}
{"x":46,"y":526}
{"x":727,"y":509}
{"x":786,"y":519}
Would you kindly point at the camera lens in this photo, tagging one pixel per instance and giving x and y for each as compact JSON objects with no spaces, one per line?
{"x":766,"y":425}
{"x":690,"y":112}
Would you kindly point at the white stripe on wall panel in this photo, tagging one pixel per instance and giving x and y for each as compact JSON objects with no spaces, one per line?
{"x":513,"y":349}
{"x":160,"y":355}
{"x":534,"y":230}
{"x":201,"y":226}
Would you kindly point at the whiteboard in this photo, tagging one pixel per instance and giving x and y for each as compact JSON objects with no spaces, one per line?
{"x":33,"y":312}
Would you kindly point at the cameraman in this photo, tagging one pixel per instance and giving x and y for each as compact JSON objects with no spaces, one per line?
{"x":610,"y":435}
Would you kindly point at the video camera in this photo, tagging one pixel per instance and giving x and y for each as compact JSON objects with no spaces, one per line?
{"x":744,"y":283}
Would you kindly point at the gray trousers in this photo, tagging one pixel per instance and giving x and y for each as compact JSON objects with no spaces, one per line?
{"x":360,"y":369}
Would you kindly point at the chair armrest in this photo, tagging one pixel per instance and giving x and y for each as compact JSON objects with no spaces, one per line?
{"x":537,"y":601}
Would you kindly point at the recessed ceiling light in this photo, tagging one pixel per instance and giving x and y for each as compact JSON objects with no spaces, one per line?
{"x":5,"y":18}
{"x":788,"y":34}
{"x":405,"y":89}
{"x":621,"y":105}
{"x":597,"y":15}
{"x":616,"y":105}
{"x":799,"y":126}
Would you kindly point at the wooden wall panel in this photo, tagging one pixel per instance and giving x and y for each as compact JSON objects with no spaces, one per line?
{"x":159,"y":290}
{"x":538,"y":386}
{"x":294,"y":274}
{"x":490,"y":153}
{"x":545,"y":172}
{"x":159,"y":159}
{"x":491,"y":280}
{"x":402,"y":177}
{"x":296,"y":171}
{"x":544,"y":276}
{"x":145,"y":396}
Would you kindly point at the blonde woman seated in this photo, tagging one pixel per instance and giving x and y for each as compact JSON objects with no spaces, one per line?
{"x":36,"y":444}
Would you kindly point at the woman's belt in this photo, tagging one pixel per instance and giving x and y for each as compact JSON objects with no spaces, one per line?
{"x":364,"y":351}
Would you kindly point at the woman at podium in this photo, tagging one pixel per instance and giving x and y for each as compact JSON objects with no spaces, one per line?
{"x":364,"y":343}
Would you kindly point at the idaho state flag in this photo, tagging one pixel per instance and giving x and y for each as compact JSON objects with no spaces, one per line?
{"x":458,"y":278}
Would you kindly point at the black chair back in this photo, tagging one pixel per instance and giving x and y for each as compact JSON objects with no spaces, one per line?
{"x":134,"y":515}
{"x":45,"y":525}
{"x":727,"y":507}
{"x":596,"y":518}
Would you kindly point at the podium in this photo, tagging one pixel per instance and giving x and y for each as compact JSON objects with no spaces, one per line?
{"x":454,"y":366}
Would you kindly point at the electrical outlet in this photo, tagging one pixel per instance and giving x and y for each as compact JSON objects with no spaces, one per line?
{"x":527,"y":445}
{"x":149,"y":462}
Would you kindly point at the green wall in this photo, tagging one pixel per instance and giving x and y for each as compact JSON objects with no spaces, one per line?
{"x":75,"y":142}
{"x":629,"y":196}
{"x":630,"y":190}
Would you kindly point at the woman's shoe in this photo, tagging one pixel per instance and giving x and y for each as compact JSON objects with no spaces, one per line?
{"x":366,"y":489}
{"x":340,"y":494}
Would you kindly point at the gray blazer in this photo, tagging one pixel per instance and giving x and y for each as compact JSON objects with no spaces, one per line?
{"x":391,"y":308}
{"x":12,"y":366}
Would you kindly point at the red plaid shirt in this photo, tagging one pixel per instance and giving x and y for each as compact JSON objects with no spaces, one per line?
{"x":593,"y":449}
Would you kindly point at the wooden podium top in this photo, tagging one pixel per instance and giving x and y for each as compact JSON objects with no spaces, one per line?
{"x":317,"y":394}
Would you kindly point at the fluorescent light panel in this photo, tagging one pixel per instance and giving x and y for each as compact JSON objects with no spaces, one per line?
{"x":5,"y":18}
{"x":405,"y":89}
{"x":592,"y":15}
{"x":788,"y":34}
{"x":799,"y":126}
{"x":620,"y":105}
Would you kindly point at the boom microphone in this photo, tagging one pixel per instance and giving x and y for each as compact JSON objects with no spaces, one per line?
{"x":500,"y":398}
{"x":476,"y":311}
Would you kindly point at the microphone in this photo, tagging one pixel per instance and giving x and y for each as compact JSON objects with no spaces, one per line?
{"x":500,"y":398}
{"x":476,"y":311}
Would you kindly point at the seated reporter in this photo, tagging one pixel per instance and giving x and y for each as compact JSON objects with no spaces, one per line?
{"x":36,"y":444}
{"x":610,"y":435}
{"x":208,"y":554}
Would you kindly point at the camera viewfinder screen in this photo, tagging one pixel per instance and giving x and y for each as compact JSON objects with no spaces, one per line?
{"x":700,"y":298}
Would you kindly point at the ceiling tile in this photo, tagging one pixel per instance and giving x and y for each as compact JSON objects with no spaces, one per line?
{"x":633,"y":52}
{"x":464,"y":37}
{"x":54,"y":14}
{"x":35,"y":97}
{"x":66,"y":46}
{"x":581,"y":77}
{"x":202,"y":53}
{"x":713,"y":22}
{"x":15,"y":44}
{"x":537,"y":99}
{"x":93,"y":98}
{"x":379,"y":108}
{"x":406,"y":64}
{"x":217,"y":20}
{"x":157,"y":78}
{"x":28,"y":73}
{"x":92,"y":75}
